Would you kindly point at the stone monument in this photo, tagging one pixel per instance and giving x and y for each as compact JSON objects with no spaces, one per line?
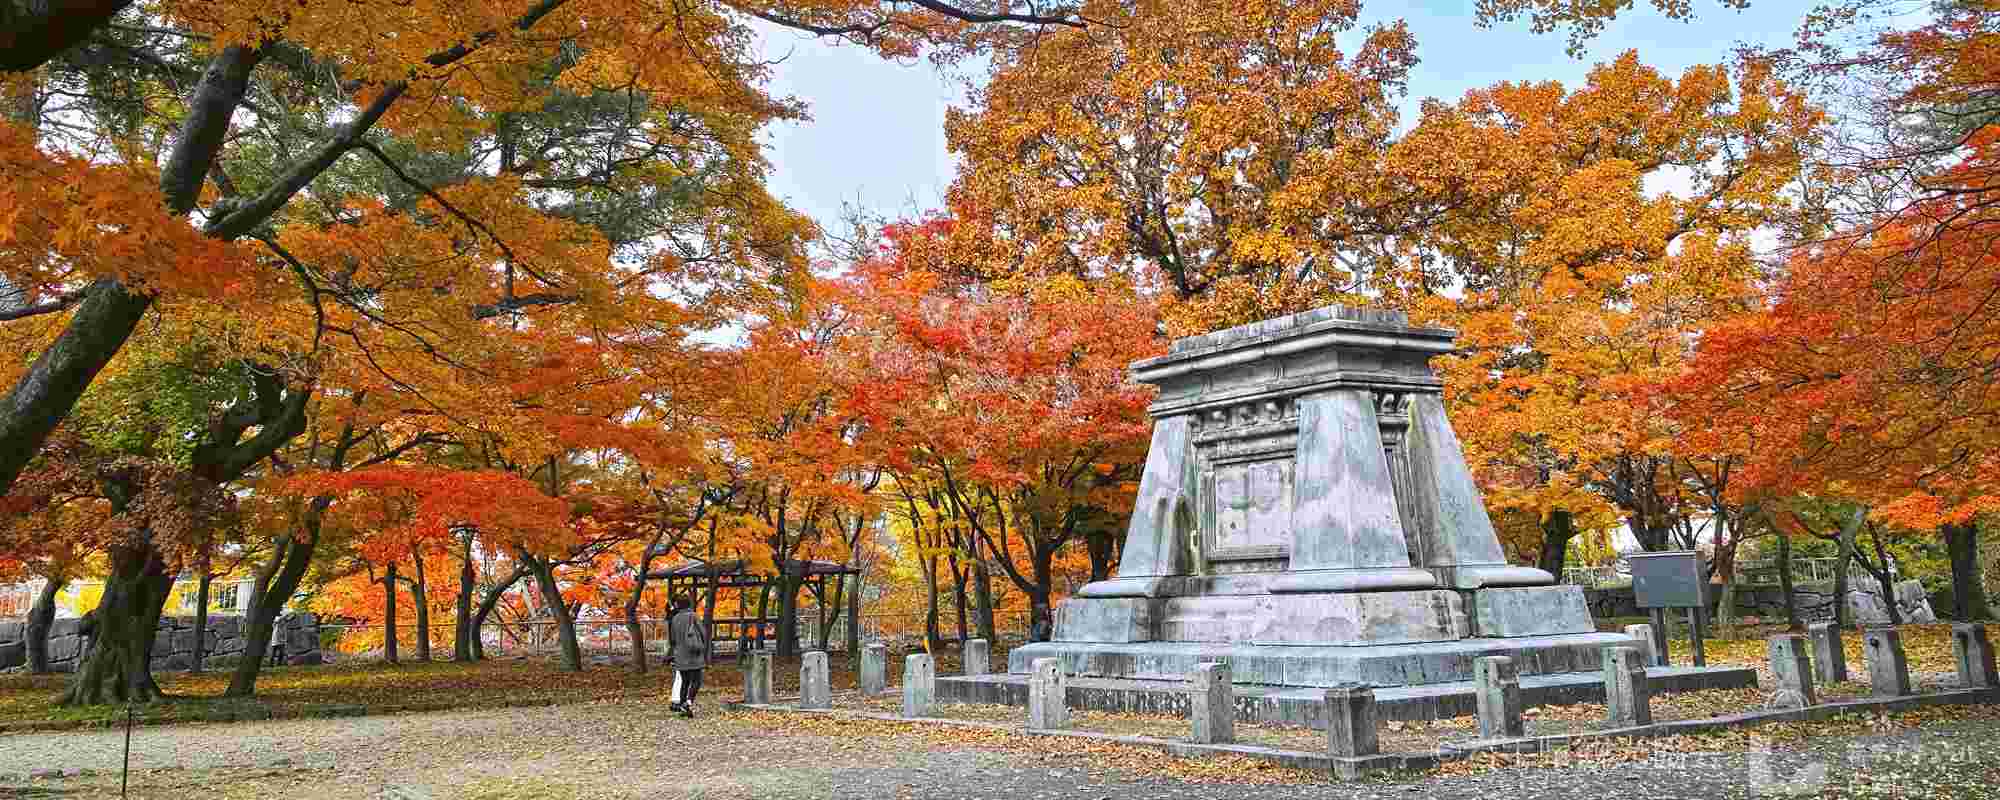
{"x":1306,"y":515}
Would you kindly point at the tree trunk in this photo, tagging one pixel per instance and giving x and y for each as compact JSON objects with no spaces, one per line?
{"x":389,"y":643}
{"x":763,"y":612}
{"x":982,"y":593}
{"x":545,"y":580}
{"x":461,"y":645}
{"x":788,"y":615}
{"x":1102,"y":546}
{"x":931,"y":636}
{"x":632,"y":627}
{"x":200,"y":653}
{"x":1557,"y":530}
{"x":1041,"y":619}
{"x":274,"y":586}
{"x":854,"y":617}
{"x":118,"y":667}
{"x":958,"y":577}
{"x":830,"y":611}
{"x":1962,"y":542}
{"x":1885,"y":581}
{"x":41,"y":618}
{"x":421,"y":598}
{"x":1785,"y":582}
{"x":44,"y":396}
{"x":1845,"y":553}
{"x":486,"y":606}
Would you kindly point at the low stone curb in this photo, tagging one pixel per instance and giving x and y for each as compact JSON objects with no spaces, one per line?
{"x":1748,"y":719}
{"x":1343,"y":767}
{"x":1350,"y":768}
{"x":262,"y":714}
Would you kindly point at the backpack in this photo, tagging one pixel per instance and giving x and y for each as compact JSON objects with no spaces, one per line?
{"x":691,"y":637}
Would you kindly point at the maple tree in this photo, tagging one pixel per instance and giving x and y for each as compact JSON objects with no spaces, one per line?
{"x":1011,"y":415}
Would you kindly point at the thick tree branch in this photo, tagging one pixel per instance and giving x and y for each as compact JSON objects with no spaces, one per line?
{"x":512,"y":304}
{"x":34,"y":31}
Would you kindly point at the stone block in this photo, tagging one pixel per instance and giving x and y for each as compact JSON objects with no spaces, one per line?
{"x":919,"y":685}
{"x":1628,"y":694}
{"x":757,"y":678}
{"x":1105,"y":619}
{"x":1888,"y":666}
{"x":1643,"y":635}
{"x":1974,"y":652}
{"x":1048,"y":696}
{"x":12,"y":631}
{"x":1350,"y":721}
{"x":1355,"y":619}
{"x":1791,"y":664}
{"x":1212,"y":704}
{"x":1829,"y":653}
{"x":874,"y":673}
{"x":1914,"y":602}
{"x":1497,"y":685}
{"x":1530,"y":611}
{"x":815,"y":686}
{"x":65,"y":648}
{"x":13,"y":654}
{"x":978,"y":657}
{"x":183,"y":642}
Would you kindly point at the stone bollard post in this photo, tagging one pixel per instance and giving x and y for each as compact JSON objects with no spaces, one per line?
{"x":757,"y":679}
{"x":978,"y":657}
{"x":874,"y":677}
{"x":1975,"y":655}
{"x":1048,"y":696}
{"x":815,"y":687}
{"x":1350,"y":721}
{"x":1792,"y":665}
{"x":1628,"y":695}
{"x":1829,"y":654}
{"x":1888,"y":667}
{"x":1212,"y":707}
{"x":919,"y":685}
{"x":1644,"y":635}
{"x":1498,"y":687}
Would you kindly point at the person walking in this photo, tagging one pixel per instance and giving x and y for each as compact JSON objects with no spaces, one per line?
{"x":690,"y":643}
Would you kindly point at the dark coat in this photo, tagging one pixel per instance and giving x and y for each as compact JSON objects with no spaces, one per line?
{"x":689,"y":640}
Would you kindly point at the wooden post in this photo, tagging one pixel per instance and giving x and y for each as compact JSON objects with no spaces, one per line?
{"x":1700,"y":615}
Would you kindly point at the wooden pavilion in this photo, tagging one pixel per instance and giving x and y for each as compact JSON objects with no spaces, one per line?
{"x":707,"y":579}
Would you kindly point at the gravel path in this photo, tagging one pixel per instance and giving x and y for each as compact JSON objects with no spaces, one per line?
{"x":618,"y":750}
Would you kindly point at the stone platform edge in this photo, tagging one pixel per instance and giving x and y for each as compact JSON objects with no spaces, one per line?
{"x":1350,"y":768}
{"x":1303,"y":707}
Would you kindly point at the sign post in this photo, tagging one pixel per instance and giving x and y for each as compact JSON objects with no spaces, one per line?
{"x":1674,"y":579}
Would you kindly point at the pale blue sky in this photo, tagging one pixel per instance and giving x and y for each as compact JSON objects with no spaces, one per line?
{"x":876,"y":138}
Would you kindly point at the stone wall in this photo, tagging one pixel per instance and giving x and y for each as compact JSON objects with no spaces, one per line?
{"x":296,"y":638}
{"x":1815,"y":601}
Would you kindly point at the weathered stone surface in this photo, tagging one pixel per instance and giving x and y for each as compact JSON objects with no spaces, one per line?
{"x":1212,"y":704}
{"x":919,"y":685}
{"x":874,"y":673}
{"x":1791,"y":664}
{"x":1888,"y":666}
{"x":1321,"y":666}
{"x":1454,"y":536}
{"x":1351,"y":728}
{"x":757,"y":678}
{"x":13,"y":654}
{"x":1642,"y":636}
{"x":1530,"y":611}
{"x":978,"y":657}
{"x":815,"y":681}
{"x":1344,"y":518}
{"x":1829,"y":655}
{"x":1498,"y":688}
{"x":1302,"y":619}
{"x":1048,"y":697}
{"x":1974,"y":652}
{"x":1628,"y":693}
{"x":1105,"y":619}
{"x":1160,"y":516}
{"x":12,"y":631}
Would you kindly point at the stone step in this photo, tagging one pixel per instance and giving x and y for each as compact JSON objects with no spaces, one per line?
{"x":1306,"y":706}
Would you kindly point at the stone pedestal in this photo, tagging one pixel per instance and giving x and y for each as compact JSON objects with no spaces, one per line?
{"x":815,"y":687}
{"x":1888,"y":667}
{"x":1048,"y":697}
{"x":1974,"y":652}
{"x":757,"y":679}
{"x":1792,"y":665}
{"x":978,"y":657}
{"x":1350,"y":721}
{"x":1212,"y":704}
{"x":919,"y":685}
{"x":1829,"y":653}
{"x":1628,"y":696}
{"x":1498,"y":686}
{"x":1642,"y":637}
{"x":874,"y":673}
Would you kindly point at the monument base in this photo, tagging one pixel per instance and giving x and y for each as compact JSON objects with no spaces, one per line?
{"x":1306,"y":706}
{"x":1321,"y":666}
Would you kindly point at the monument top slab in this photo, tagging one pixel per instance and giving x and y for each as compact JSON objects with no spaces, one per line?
{"x":1321,"y":327}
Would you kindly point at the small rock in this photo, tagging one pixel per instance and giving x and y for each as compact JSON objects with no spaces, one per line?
{"x":45,"y":774}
